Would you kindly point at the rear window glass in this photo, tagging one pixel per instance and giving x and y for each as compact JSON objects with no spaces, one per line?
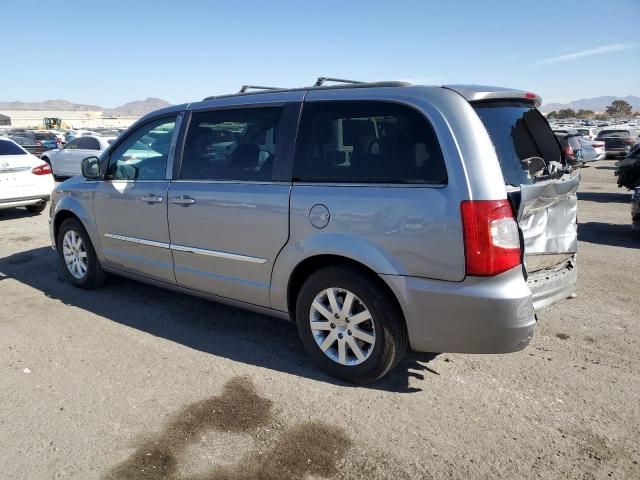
{"x":10,"y":148}
{"x":518,"y":132}
{"x":614,"y":133}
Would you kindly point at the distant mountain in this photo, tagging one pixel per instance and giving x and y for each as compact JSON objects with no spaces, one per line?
{"x":136,"y":108}
{"x":597,"y":104}
{"x":63,"y":105}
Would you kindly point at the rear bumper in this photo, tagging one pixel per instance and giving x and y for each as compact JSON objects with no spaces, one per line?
{"x":23,"y":202}
{"x":613,"y":151}
{"x":553,"y":285}
{"x":477,"y":315}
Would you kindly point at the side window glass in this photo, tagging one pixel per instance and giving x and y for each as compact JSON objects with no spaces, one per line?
{"x":367,"y":142}
{"x":237,"y":144}
{"x":85,"y":143}
{"x":143,"y":154}
{"x":72,"y":145}
{"x":92,"y":144}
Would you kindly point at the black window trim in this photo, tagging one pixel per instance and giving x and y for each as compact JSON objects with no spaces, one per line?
{"x":370,"y":184}
{"x":283,"y":163}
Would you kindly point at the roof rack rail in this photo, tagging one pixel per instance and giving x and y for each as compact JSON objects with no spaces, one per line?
{"x":246,"y":88}
{"x":322,"y":80}
{"x":320,"y":85}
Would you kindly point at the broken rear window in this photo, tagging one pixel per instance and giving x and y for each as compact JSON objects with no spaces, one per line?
{"x":518,"y":132}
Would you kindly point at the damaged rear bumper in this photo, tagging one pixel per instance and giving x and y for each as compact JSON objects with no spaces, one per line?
{"x":552,"y":285}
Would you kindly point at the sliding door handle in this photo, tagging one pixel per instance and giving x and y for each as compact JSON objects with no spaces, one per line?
{"x":151,"y":198}
{"x":183,"y":200}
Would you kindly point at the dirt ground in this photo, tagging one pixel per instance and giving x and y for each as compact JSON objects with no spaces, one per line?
{"x":134,"y":382}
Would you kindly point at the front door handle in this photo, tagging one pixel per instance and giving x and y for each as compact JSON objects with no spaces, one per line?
{"x":151,"y":198}
{"x":183,"y":200}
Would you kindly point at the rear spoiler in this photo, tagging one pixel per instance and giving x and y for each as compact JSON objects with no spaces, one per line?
{"x":476,"y":93}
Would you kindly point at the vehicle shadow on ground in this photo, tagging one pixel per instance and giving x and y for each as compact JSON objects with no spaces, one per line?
{"x":605,"y":197}
{"x":609,"y":234}
{"x":606,"y":167}
{"x":196,"y":323}
{"x":14,"y":213}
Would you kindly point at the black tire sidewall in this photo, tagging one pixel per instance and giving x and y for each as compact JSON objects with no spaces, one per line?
{"x":386,"y":319}
{"x":94,"y":271}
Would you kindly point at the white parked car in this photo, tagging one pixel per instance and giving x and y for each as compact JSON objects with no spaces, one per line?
{"x":25,"y":180}
{"x":587,"y":132}
{"x":65,"y":162}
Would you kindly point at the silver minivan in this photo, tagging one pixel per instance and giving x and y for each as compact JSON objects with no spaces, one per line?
{"x":376,"y":216}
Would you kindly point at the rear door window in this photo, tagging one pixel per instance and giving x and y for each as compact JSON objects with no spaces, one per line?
{"x":518,"y":132}
{"x":367,"y":142}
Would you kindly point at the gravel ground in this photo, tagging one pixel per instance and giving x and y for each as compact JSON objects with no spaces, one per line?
{"x":130,"y":381}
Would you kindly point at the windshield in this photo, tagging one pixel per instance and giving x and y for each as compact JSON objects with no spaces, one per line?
{"x":10,"y":148}
{"x":518,"y":132}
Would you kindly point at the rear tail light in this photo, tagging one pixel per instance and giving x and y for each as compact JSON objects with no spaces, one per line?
{"x":491,"y":237}
{"x":568,"y":150}
{"x":43,"y":169}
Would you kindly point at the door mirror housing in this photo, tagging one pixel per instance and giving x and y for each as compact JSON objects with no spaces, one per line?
{"x":91,"y":168}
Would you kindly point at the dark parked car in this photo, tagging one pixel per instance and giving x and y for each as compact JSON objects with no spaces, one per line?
{"x":618,"y":141}
{"x":34,"y":142}
{"x":571,"y":146}
{"x":628,"y":174}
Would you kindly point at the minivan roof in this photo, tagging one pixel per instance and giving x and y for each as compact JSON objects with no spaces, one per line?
{"x":472,"y":93}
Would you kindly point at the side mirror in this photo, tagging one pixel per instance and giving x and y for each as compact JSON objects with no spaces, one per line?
{"x":91,"y":168}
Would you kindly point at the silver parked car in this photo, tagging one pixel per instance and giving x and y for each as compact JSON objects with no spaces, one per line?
{"x":65,"y":161}
{"x":378,"y":217}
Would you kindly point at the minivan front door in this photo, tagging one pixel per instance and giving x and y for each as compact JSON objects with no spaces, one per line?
{"x":228,"y":206}
{"x":130,"y":205}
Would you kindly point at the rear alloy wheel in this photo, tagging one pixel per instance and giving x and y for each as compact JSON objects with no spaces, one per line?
{"x":350,"y":324}
{"x":78,"y":257}
{"x":342,"y":326}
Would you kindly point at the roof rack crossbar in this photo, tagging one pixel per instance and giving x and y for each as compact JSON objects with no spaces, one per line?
{"x":322,"y":80}
{"x":246,"y":88}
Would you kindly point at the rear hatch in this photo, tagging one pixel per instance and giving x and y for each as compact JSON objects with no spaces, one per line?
{"x":616,"y":139}
{"x":542,"y":189}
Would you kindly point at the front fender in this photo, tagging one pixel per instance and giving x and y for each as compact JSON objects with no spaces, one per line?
{"x":342,"y":245}
{"x":79,"y":202}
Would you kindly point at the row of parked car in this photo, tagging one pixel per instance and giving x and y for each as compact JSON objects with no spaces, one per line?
{"x":63,"y":150}
{"x":588,"y":144}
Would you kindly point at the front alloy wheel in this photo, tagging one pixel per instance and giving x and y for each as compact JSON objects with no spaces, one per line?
{"x":75,"y":254}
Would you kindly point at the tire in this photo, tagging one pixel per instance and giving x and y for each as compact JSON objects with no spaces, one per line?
{"x":37,"y":208}
{"x":92,"y":275}
{"x":385,"y":325}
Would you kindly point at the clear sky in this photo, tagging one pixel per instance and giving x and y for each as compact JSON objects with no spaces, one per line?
{"x":111,"y":52}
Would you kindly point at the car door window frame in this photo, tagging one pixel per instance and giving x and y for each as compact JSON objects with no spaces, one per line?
{"x":178,"y":116}
{"x":287,"y":131}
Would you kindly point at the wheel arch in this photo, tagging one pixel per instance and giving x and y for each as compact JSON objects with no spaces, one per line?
{"x":312,"y":264}
{"x":59,"y":219}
